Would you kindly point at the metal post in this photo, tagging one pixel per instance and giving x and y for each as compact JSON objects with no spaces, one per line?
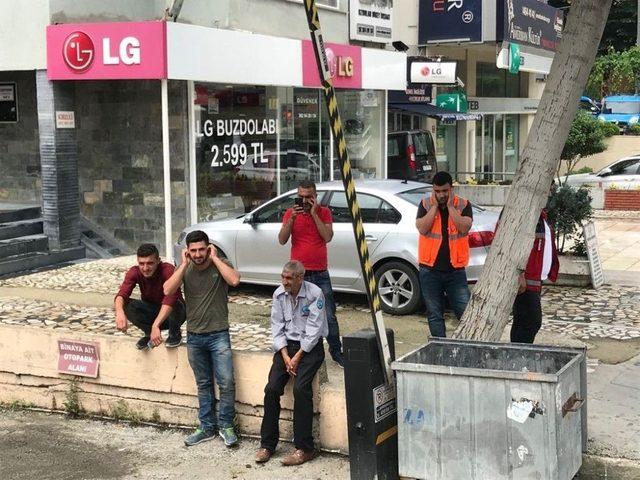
{"x":349,"y":187}
{"x":166,"y":170}
{"x":193,"y":178}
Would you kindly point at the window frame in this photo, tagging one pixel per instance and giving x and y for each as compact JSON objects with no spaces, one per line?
{"x":382,"y":201}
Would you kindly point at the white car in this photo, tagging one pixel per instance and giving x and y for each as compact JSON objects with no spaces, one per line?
{"x":389,"y":209}
{"x":624,"y":173}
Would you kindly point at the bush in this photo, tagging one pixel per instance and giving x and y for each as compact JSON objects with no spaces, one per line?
{"x":586,"y":137}
{"x":609,"y":129}
{"x":633,"y":130}
{"x":567,"y":209}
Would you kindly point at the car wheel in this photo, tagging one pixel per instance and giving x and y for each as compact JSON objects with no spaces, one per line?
{"x":398,"y":287}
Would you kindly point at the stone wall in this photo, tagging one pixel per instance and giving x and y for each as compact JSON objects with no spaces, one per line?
{"x":120,"y":157}
{"x":20,"y":179}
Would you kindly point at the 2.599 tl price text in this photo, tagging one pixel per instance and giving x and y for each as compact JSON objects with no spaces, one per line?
{"x":237,"y":154}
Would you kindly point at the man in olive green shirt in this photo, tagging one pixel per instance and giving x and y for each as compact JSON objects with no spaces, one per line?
{"x":206,"y":278}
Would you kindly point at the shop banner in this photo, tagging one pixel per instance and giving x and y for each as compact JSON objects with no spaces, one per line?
{"x":531,"y":23}
{"x":370,"y":21}
{"x":449,"y":21}
{"x":415,"y":93}
{"x":107,"y":51}
{"x":345,"y":65}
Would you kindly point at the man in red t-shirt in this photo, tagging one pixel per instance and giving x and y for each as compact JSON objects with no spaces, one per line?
{"x":310,"y":227}
{"x":156,"y":311}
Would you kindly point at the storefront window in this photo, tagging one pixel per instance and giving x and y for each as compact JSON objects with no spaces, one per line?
{"x":361,"y":113}
{"x":255,"y":142}
{"x":446,"y":147}
{"x":497,"y":144}
{"x":495,"y":82}
{"x":511,"y":143}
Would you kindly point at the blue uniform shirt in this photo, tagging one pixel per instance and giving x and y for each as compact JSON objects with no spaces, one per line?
{"x":302,"y":319}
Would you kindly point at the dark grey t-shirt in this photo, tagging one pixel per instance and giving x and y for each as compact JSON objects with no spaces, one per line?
{"x":205,"y":294}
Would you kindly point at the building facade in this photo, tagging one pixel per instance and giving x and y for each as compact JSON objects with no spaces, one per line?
{"x":165,"y":124}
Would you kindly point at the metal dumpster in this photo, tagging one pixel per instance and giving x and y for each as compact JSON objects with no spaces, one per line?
{"x":489,"y":411}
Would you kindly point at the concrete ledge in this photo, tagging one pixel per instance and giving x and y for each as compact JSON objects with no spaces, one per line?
{"x":157,"y":385}
{"x":574,"y":271}
{"x":485,"y":195}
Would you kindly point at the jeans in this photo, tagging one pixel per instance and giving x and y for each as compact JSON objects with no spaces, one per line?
{"x":209,"y":353}
{"x":142,"y":314}
{"x":302,"y":398}
{"x":434,"y":284}
{"x":322,"y":280}
{"x":527,"y":317}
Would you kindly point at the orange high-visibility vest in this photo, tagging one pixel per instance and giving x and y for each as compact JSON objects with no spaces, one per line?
{"x":429,"y":244}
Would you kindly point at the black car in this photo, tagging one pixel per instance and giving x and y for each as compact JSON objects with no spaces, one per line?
{"x":411,"y":155}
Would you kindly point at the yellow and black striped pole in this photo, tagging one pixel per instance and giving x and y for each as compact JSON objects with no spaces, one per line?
{"x":349,"y":187}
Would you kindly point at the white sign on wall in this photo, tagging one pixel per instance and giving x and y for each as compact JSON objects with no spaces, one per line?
{"x":433,"y":72}
{"x":65,"y":119}
{"x":370,"y":21}
{"x":595,"y":264}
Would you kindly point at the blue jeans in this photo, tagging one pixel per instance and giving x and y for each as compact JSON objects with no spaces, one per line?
{"x":322,"y":280}
{"x":209,"y":353}
{"x":434,"y":284}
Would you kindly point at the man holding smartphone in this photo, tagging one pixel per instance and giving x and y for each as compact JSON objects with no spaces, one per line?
{"x":206,"y":279}
{"x":310,"y":227}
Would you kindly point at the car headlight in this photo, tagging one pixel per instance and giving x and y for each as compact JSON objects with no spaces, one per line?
{"x":181,"y":237}
{"x":633,"y":120}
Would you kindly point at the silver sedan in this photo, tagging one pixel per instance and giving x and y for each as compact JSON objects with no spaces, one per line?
{"x":389,"y":209}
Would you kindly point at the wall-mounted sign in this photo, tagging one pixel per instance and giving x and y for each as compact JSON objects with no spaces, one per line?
{"x":489,"y":105}
{"x":538,"y":62}
{"x":455,"y":101}
{"x":370,"y":21}
{"x":433,"y":72}
{"x":65,"y":119}
{"x":441,"y":21}
{"x":78,"y":358}
{"x":94,"y":51}
{"x":416,"y":93}
{"x":530,"y":22}
{"x":8,"y":103}
{"x":345,"y":65}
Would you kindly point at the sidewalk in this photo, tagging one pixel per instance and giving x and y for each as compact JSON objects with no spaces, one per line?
{"x":619,"y":241}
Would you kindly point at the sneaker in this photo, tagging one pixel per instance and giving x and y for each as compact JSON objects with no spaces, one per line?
{"x":143,"y":343}
{"x":338,"y":358}
{"x":229,"y":436}
{"x":199,"y":436}
{"x":173,"y":340}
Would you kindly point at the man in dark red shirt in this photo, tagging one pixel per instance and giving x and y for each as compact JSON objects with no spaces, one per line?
{"x":155,"y":311}
{"x":310,"y":227}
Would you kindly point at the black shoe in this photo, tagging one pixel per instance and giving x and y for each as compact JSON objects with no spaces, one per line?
{"x":143,"y":343}
{"x":173,"y":341}
{"x":338,"y":358}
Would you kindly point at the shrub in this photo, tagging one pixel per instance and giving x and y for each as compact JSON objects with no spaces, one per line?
{"x":567,"y":209}
{"x":609,"y":129}
{"x":633,"y":130}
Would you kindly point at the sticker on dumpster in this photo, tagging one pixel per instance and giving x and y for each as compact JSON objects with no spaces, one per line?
{"x":519,"y":411}
{"x":384,"y":401}
{"x":78,"y":358}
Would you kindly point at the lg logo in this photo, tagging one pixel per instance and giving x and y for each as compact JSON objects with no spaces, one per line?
{"x":78,"y":52}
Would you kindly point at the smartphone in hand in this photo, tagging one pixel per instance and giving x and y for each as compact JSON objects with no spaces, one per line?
{"x":299,"y":202}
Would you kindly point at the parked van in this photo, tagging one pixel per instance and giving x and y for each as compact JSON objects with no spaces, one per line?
{"x":621,"y":110}
{"x":411,"y":155}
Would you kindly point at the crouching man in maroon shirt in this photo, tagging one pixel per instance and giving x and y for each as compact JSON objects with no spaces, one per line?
{"x":155,"y":311}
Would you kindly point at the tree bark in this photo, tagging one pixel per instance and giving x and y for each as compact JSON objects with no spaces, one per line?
{"x":488,"y":310}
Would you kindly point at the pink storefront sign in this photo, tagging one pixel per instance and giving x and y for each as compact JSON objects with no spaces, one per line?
{"x":345,"y":65}
{"x":107,"y":51}
{"x":78,"y":358}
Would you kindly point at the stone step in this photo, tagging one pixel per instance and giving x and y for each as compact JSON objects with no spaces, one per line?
{"x":23,"y":245}
{"x":20,"y":228}
{"x":16,"y":214}
{"x":30,"y":261}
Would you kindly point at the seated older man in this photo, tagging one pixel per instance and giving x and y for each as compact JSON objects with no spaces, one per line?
{"x":298,"y":323}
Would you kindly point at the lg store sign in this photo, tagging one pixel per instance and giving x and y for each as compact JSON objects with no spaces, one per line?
{"x":106,"y":51}
{"x":433,"y":72}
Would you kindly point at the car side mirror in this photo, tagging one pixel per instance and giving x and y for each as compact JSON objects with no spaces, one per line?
{"x":248,"y":218}
{"x":605,"y":172}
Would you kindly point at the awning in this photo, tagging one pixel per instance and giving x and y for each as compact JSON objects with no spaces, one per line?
{"x":435,"y":111}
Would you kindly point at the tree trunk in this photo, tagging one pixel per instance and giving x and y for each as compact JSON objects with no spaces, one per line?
{"x":488,"y":311}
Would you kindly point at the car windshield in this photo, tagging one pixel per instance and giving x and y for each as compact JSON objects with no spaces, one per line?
{"x":623,"y":107}
{"x":417,"y":194}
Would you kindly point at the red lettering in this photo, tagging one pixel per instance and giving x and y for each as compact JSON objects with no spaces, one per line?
{"x":438,"y":6}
